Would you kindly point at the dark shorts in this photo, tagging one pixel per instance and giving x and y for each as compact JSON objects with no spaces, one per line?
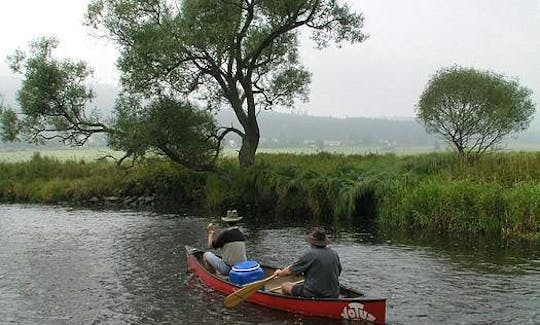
{"x":299,"y":290}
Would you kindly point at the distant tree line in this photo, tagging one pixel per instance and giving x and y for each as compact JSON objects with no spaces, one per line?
{"x":279,"y":130}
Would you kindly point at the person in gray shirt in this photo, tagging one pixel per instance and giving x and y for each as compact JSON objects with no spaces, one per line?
{"x":321,"y":268}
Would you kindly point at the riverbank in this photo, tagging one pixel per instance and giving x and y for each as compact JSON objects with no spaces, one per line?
{"x":497,"y":194}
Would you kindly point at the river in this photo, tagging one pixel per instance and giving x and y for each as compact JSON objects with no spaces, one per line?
{"x":63,"y":265}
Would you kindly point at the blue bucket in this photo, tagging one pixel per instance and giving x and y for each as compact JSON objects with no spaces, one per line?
{"x":246,"y":272}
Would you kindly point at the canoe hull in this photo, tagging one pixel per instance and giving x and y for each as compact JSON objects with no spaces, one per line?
{"x":353,"y":309}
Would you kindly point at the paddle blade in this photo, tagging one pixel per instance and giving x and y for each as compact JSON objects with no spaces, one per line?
{"x":242,"y":294}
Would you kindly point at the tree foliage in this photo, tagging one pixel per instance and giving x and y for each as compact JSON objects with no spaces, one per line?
{"x":52,"y":98}
{"x":474,"y":110}
{"x":55,"y":99}
{"x":167,"y":127}
{"x":10,"y":127}
{"x":237,"y":53}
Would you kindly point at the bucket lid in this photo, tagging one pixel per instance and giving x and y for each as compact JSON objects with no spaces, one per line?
{"x":246,"y":266}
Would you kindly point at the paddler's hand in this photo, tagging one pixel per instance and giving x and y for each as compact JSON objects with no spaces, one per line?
{"x":282,"y":272}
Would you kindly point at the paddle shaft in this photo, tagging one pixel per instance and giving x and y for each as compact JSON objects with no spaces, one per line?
{"x":279,"y":286}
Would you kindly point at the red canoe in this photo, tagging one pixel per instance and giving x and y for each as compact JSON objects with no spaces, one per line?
{"x":351,"y":304}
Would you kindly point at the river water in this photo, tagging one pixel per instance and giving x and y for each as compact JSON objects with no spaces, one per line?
{"x":76,"y":266}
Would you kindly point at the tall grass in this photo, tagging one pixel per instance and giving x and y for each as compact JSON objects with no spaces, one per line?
{"x":497,"y":193}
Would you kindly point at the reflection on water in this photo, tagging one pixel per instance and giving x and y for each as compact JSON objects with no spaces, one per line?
{"x":69,"y":266}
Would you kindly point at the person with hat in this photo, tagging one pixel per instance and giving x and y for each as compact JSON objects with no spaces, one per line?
{"x":321,"y":268}
{"x":230,"y":241}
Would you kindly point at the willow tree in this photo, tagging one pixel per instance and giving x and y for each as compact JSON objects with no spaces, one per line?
{"x":474,"y":110}
{"x":241,"y":54}
{"x":55,"y":100}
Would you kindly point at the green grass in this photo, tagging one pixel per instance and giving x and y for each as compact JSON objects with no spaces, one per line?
{"x":498,"y":193}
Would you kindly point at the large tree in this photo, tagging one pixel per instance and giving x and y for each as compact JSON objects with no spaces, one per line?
{"x":474,"y":110}
{"x":55,"y":100}
{"x":237,"y":53}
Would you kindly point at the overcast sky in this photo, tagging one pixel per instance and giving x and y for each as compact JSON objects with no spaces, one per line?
{"x":383,"y":76}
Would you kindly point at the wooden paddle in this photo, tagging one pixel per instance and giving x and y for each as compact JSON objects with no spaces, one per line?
{"x":240,"y":295}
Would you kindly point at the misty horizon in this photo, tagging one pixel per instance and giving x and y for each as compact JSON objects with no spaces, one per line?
{"x":380,"y":77}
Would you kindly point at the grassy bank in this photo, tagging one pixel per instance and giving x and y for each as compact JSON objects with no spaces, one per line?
{"x":499,"y":193}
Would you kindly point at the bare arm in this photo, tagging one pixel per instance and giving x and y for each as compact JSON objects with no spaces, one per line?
{"x":211,"y":231}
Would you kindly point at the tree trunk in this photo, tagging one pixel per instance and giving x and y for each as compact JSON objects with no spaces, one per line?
{"x":250,"y":142}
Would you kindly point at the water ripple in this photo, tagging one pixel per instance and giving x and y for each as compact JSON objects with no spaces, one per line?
{"x":78,"y":266}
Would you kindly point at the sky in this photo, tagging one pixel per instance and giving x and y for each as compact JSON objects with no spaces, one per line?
{"x":381,"y":77}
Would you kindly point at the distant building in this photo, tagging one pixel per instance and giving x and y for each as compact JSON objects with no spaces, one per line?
{"x":332,"y":143}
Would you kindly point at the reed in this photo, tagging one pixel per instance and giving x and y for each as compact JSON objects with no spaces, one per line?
{"x":523,"y":210}
{"x":496,"y":193}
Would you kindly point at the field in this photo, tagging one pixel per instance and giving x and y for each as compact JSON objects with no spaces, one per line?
{"x":60,"y":154}
{"x":91,"y":154}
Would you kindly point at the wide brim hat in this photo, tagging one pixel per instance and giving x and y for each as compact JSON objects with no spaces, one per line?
{"x":317,"y":237}
{"x":232,"y":216}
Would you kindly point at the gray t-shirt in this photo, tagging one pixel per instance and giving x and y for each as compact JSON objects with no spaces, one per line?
{"x":321,"y":268}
